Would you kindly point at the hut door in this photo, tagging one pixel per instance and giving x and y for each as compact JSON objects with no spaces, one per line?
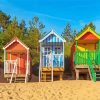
{"x":47,"y":57}
{"x":57,"y":58}
{"x":22,"y":64}
{"x":13,"y":57}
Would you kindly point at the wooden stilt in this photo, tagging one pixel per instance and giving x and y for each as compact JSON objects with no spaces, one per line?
{"x":61,"y":76}
{"x":87,"y":76}
{"x":77,"y":74}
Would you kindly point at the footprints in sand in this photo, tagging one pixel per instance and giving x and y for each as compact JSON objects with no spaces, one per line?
{"x":65,"y":90}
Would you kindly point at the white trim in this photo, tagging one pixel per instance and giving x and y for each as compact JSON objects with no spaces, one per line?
{"x":13,"y":42}
{"x":52,"y":69}
{"x":26,"y":76}
{"x":22,"y":44}
{"x":63,"y":55}
{"x":40,"y":65}
{"x":52,"y":32}
{"x":9,"y":44}
{"x":4,"y":60}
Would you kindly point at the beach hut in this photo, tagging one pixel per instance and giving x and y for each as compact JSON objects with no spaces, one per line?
{"x":16,"y":61}
{"x":51,"y":56}
{"x":85,"y":54}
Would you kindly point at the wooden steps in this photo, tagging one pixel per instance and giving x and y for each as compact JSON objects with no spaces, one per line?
{"x":98,"y":76}
{"x":46,"y":77}
{"x":48,"y":73}
{"x":54,"y":69}
{"x":20,"y":80}
{"x":17,"y":78}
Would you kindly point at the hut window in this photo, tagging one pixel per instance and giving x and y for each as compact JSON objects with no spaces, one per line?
{"x":57,"y":50}
{"x":47,"y":50}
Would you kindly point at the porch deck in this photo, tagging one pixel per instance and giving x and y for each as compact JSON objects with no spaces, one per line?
{"x":56,"y":69}
{"x":47,"y":73}
{"x":8,"y":75}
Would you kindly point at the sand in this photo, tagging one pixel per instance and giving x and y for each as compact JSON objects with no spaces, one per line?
{"x":58,"y":90}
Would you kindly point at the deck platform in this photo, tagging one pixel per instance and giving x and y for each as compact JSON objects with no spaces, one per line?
{"x":83,"y":69}
{"x":47,"y":71}
{"x":8,"y":75}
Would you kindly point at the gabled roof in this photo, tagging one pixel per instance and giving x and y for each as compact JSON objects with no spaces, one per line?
{"x":14,"y":40}
{"x":52,"y":32}
{"x":88,"y":29}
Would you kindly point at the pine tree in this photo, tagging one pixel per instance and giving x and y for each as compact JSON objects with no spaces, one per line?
{"x":67,"y":33}
{"x":4,"y":20}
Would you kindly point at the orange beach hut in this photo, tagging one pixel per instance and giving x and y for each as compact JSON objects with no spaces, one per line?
{"x":16,"y":60}
{"x":85,"y":53}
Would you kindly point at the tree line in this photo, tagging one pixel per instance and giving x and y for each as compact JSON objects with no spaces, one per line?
{"x":10,"y":28}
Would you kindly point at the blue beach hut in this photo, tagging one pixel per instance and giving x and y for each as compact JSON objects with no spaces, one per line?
{"x":51,"y":56}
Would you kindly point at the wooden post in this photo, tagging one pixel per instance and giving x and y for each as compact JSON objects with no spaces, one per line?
{"x":4,"y":60}
{"x":27,"y":66}
{"x":76,"y":46}
{"x":61,"y":74}
{"x":76,"y":53}
{"x":77,"y":74}
{"x":40,"y":64}
{"x":63,"y":56}
{"x":52,"y":66}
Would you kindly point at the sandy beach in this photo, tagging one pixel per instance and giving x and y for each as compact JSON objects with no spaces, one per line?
{"x":58,"y":90}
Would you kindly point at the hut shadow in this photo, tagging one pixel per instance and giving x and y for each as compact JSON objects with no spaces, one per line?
{"x":2,"y":79}
{"x":35,"y":73}
{"x":67,"y":65}
{"x":67,"y":69}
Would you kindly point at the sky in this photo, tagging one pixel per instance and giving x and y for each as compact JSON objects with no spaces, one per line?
{"x":55,"y":14}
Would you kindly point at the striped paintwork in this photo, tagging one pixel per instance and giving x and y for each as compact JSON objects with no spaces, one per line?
{"x":52,"y":38}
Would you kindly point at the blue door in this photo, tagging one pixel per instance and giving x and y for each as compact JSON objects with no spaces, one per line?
{"x":58,"y":57}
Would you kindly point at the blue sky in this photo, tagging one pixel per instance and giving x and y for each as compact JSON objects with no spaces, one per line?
{"x":54,"y":14}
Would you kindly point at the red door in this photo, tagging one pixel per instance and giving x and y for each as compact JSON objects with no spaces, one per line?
{"x":12,"y":57}
{"x":22,"y":64}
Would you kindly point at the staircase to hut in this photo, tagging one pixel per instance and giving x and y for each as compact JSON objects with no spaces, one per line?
{"x":17,"y":79}
{"x":97,"y":72}
{"x":98,"y":76}
{"x":46,"y":76}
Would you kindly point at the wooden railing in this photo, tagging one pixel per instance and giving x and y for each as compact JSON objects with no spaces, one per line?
{"x":82,"y":57}
{"x":56,"y":59}
{"x":14,"y":70}
{"x":89,"y":58}
{"x":9,"y":66}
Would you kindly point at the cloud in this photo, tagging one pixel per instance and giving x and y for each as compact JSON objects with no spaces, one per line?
{"x":52,"y":17}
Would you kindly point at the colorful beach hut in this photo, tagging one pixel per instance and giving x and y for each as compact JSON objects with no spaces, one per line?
{"x":16,"y":61}
{"x":51,"y":57}
{"x":85,"y":54}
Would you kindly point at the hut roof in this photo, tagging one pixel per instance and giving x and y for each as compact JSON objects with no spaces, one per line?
{"x":88,"y":29}
{"x":52,"y":32}
{"x":14,"y":40}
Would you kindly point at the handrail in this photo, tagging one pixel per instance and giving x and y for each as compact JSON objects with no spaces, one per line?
{"x":15,"y":64}
{"x":7,"y":63}
{"x":26,"y":76}
{"x":91,"y":69}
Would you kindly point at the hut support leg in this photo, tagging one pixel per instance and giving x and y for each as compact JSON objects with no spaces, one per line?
{"x":77,"y":74}
{"x":60,"y":76}
{"x":87,"y":76}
